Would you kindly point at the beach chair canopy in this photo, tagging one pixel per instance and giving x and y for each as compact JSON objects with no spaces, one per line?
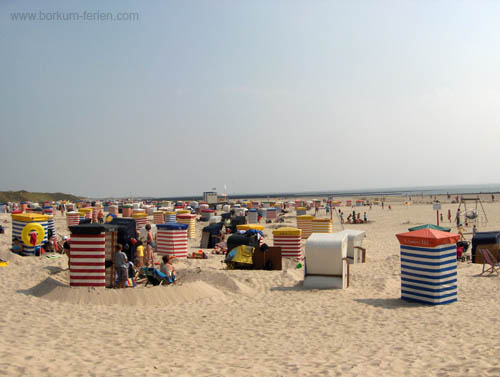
{"x":126,"y":232}
{"x":236,"y":240}
{"x":485,"y":238}
{"x":325,"y":252}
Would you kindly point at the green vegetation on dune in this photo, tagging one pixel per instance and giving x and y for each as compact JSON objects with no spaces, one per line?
{"x":22,"y":195}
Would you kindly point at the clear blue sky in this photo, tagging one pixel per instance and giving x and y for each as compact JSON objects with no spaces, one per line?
{"x":259,"y":95}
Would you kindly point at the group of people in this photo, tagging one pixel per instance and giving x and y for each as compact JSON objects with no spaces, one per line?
{"x":126,"y":269}
{"x":353,"y":218}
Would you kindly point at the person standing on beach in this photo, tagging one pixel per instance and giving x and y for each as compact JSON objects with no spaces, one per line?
{"x":140,"y":254}
{"x":100,"y":217}
{"x":121,"y":266}
{"x":449,"y":215}
{"x":365,"y":220}
{"x":149,"y":246}
{"x":457,"y":218}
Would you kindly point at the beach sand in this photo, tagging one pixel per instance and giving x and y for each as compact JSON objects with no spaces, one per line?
{"x":251,"y":323}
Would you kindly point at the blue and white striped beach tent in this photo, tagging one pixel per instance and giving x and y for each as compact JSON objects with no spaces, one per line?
{"x":429,"y":266}
{"x":19,"y":221}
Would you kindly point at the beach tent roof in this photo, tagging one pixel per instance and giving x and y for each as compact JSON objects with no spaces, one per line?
{"x":429,"y":226}
{"x":427,"y":238}
{"x":92,"y":228}
{"x":172,"y":226}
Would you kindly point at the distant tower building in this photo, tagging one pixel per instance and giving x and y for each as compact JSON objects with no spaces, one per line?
{"x":210,"y":197}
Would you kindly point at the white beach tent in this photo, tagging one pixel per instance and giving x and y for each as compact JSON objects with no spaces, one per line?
{"x":326,"y":264}
{"x":355,"y":251}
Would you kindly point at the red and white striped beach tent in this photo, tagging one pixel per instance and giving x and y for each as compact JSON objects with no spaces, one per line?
{"x":91,"y":246}
{"x":172,"y":240}
{"x":290,"y":241}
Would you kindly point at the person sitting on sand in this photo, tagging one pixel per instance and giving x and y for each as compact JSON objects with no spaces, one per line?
{"x":131,"y":270}
{"x":66,"y":247}
{"x":168,"y":268}
{"x":18,"y":247}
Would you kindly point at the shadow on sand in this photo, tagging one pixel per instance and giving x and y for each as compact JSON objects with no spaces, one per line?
{"x":43,"y":288}
{"x":297,"y":287}
{"x":54,"y":269}
{"x":388,"y":303}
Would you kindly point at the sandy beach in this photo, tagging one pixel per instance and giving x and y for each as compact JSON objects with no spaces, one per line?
{"x":217,"y":322}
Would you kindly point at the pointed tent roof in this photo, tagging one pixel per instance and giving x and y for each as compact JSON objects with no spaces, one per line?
{"x":427,"y":238}
{"x":430,"y":226}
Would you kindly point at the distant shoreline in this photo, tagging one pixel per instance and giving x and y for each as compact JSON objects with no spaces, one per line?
{"x":408,"y":191}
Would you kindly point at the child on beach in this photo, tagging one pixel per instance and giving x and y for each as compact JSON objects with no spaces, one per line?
{"x":18,"y":247}
{"x":121,"y":266}
{"x":140,"y":254}
{"x":168,"y":268}
{"x":100,"y":216}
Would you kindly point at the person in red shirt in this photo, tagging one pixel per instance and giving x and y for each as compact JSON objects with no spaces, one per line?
{"x":100,"y":216}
